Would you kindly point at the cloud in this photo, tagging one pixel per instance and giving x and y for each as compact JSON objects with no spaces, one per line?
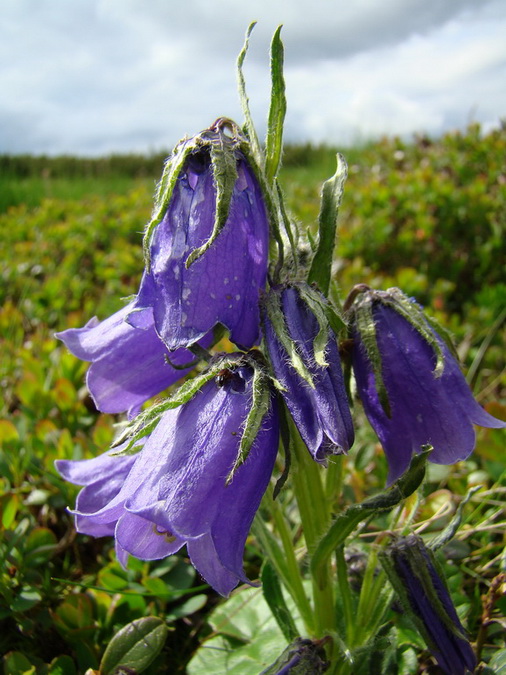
{"x":96,"y":76}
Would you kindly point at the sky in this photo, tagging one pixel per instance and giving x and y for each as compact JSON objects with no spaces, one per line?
{"x":94,"y":77}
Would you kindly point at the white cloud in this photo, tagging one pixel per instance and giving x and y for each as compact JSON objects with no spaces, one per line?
{"x":95,"y":76}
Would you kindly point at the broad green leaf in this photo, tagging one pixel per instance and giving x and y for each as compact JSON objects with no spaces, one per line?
{"x":190,"y":606}
{"x":16,"y":663}
{"x":136,"y":645}
{"x":244,"y":618}
{"x":27,"y":598}
{"x":62,"y":665}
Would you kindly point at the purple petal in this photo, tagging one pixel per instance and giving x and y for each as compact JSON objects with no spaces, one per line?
{"x":207,"y":562}
{"x":142,"y":539}
{"x":129,"y":363}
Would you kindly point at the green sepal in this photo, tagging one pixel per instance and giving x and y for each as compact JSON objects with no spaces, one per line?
{"x":332,"y":192}
{"x":366,"y":327}
{"x":346,"y":522}
{"x":147,"y":420}
{"x":243,"y":97}
{"x":273,"y":595}
{"x":274,"y":311}
{"x":277,"y":110}
{"x":327,"y":317}
{"x":259,"y":407}
{"x":224,"y":164}
{"x":172,"y":169}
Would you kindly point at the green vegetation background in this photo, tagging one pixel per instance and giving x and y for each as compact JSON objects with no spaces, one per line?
{"x":428,"y":216}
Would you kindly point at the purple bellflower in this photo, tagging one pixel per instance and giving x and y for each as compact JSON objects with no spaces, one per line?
{"x":413,"y":572}
{"x":304,"y":355}
{"x":207,"y":243}
{"x":411,"y":386}
{"x":130,"y":363}
{"x":178,"y":488}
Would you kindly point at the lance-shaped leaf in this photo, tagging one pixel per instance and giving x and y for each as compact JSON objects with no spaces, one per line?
{"x":249,"y":126}
{"x":277,"y":110}
{"x":332,"y":192}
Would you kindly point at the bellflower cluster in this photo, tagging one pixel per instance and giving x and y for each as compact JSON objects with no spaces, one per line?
{"x":223,"y":259}
{"x":198,"y":476}
{"x":412,"y":569}
{"x":411,"y":386}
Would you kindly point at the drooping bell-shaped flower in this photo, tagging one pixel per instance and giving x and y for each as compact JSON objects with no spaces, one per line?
{"x":304,"y":355}
{"x":411,"y":386}
{"x":423,"y":594}
{"x":207,"y":243}
{"x":130,"y":363}
{"x":186,"y":485}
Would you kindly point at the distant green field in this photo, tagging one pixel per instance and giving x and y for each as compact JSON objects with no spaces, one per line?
{"x":428,"y":216}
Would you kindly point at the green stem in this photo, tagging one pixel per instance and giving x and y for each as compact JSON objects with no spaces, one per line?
{"x":346,"y":595}
{"x":293,"y":570}
{"x":315,"y":517}
{"x":334,"y":479}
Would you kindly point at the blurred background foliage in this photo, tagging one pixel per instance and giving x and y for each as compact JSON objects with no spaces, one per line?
{"x":428,"y":216}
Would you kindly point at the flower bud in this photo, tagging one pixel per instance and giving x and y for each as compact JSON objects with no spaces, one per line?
{"x":412,"y":570}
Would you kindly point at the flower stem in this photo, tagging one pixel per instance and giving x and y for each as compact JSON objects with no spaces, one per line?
{"x":315,"y":517}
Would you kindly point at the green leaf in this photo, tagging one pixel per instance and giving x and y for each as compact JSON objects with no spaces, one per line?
{"x":27,"y":598}
{"x":245,"y":618}
{"x":243,"y":97}
{"x":16,"y":663}
{"x":274,"y":597}
{"x":498,"y":662}
{"x":277,"y":110}
{"x":332,"y":192}
{"x":62,"y":665}
{"x":136,"y":645}
{"x":189,"y":607}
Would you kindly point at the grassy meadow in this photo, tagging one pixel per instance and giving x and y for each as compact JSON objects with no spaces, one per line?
{"x":427,"y":215}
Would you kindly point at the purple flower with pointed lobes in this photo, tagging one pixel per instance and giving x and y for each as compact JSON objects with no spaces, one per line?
{"x":304,"y":355}
{"x":413,"y":572}
{"x":411,"y":386}
{"x":207,"y":244}
{"x":177,"y":490}
{"x":130,"y":363}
